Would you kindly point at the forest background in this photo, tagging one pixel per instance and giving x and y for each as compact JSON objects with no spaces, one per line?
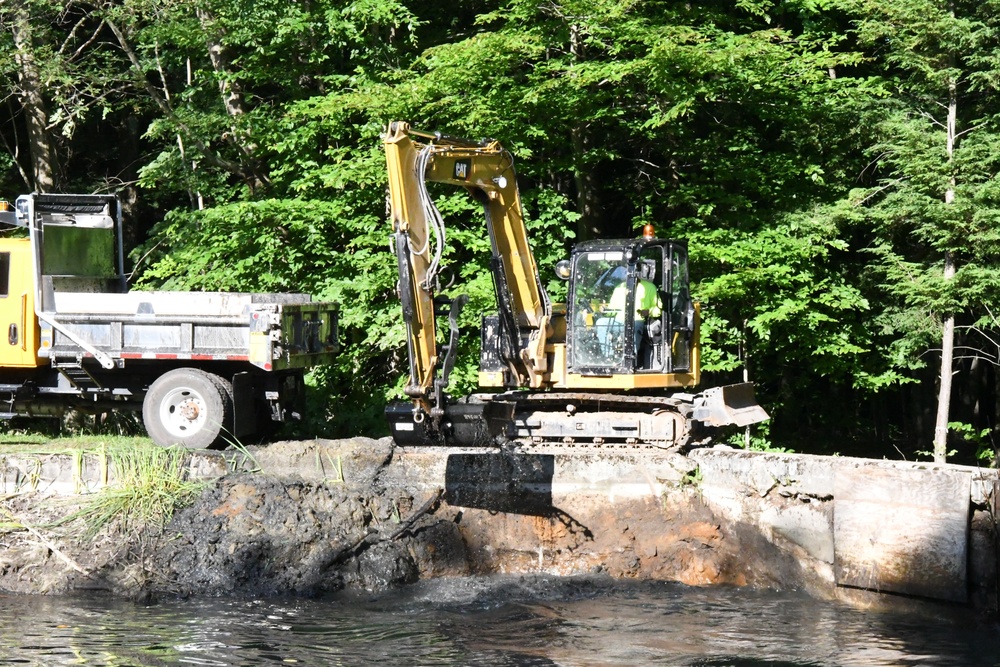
{"x":832,"y":164}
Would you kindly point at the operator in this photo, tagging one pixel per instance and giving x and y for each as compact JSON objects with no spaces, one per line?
{"x":647,"y":303}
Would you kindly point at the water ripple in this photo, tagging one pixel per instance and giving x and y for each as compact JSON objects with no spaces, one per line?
{"x":494,"y":621}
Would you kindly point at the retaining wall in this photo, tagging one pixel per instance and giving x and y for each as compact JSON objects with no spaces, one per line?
{"x":835,"y":526}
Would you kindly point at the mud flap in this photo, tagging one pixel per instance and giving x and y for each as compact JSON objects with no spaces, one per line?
{"x":244,"y":408}
{"x":732,"y":404}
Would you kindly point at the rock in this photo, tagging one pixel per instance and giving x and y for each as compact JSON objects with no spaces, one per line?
{"x":384,"y":565}
{"x":440,"y":551}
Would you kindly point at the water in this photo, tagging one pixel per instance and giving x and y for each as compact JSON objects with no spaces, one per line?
{"x":497,"y":622}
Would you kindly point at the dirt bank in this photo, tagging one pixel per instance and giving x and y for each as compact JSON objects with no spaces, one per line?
{"x":309,"y":517}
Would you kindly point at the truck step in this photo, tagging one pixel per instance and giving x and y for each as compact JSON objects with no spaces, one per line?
{"x":77,"y":375}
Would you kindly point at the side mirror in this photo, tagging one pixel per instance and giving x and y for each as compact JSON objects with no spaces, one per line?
{"x":563,"y":269}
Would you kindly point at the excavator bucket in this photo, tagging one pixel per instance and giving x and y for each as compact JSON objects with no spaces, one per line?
{"x":732,"y":404}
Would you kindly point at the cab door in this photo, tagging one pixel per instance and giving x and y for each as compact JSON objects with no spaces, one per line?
{"x":19,"y":332}
{"x":682,"y":316}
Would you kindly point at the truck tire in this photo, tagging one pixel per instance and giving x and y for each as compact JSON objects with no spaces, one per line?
{"x":188,"y":407}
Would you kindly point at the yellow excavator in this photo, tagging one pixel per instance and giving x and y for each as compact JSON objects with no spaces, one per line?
{"x":614,"y":367}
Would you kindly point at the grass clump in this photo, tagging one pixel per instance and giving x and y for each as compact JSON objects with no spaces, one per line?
{"x":148,"y":484}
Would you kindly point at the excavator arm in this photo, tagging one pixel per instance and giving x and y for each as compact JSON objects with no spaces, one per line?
{"x":486,"y":170}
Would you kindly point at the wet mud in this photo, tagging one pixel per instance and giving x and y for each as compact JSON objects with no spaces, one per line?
{"x":307,"y":518}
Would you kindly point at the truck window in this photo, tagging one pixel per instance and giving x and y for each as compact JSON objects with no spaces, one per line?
{"x":4,"y":274}
{"x":79,"y":250}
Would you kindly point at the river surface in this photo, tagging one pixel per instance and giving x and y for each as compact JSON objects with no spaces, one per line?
{"x":494,"y":622}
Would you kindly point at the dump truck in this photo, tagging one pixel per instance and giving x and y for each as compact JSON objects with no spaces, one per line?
{"x":204,"y":368}
{"x":614,"y":367}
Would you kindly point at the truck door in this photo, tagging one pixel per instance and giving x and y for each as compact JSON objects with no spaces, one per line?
{"x":19,"y":343}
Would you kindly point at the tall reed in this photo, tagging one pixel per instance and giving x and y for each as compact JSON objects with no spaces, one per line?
{"x":148,"y":484}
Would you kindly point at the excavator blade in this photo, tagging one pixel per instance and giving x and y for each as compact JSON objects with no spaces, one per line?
{"x":733,"y":404}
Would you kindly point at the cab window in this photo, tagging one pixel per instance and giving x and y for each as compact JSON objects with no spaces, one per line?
{"x":4,"y":274}
{"x":597,"y":336}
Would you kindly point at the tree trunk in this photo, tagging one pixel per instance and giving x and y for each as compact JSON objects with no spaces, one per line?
{"x":233,"y":98}
{"x":944,"y":389}
{"x":587,"y":203}
{"x":948,"y":328}
{"x":31,"y":95}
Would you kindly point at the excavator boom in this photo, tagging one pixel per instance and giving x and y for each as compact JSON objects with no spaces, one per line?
{"x":486,"y":170}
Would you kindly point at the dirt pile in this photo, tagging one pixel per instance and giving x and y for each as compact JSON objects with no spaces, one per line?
{"x":258,"y":535}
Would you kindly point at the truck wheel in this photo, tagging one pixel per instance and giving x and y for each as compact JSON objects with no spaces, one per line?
{"x":188,"y":407}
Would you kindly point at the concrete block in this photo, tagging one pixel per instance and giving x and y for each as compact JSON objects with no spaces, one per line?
{"x":903,"y":531}
{"x":804,"y":526}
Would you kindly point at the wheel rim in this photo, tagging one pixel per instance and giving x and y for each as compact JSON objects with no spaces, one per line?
{"x":183,"y":412}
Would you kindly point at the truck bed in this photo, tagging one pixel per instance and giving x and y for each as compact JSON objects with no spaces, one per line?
{"x":272,"y":331}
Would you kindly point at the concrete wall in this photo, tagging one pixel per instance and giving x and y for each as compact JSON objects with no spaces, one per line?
{"x":896,"y":527}
{"x":834,"y":526}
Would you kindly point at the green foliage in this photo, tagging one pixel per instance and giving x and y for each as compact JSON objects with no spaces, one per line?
{"x":692,"y":478}
{"x":270,"y":245}
{"x":932,"y":207}
{"x":981,"y":439}
{"x":797,"y":301}
{"x":799,"y":148}
{"x":757,"y":438}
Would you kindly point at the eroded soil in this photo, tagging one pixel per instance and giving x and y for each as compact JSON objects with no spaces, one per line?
{"x":369,"y":526}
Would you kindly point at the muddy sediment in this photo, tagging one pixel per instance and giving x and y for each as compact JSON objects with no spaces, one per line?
{"x":311,"y":517}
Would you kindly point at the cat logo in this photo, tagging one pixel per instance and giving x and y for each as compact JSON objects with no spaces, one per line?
{"x":462,"y":169}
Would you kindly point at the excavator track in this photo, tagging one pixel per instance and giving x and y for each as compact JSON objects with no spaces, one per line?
{"x":589,"y":421}
{"x":560,"y":422}
{"x":579,"y":422}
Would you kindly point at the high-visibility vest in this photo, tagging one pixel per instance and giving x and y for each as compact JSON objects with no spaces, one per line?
{"x":646,"y":298}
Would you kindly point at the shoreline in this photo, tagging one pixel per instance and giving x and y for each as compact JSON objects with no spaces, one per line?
{"x":311,"y":517}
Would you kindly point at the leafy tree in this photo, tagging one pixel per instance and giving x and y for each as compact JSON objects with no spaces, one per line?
{"x":314,"y":219}
{"x":61,"y":72}
{"x":703,"y":121}
{"x":935,"y":206}
{"x":244,"y":138}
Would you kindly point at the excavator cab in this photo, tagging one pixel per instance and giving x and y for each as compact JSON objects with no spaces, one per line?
{"x":630,"y":308}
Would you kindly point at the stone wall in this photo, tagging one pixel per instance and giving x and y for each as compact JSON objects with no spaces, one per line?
{"x":858,"y":524}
